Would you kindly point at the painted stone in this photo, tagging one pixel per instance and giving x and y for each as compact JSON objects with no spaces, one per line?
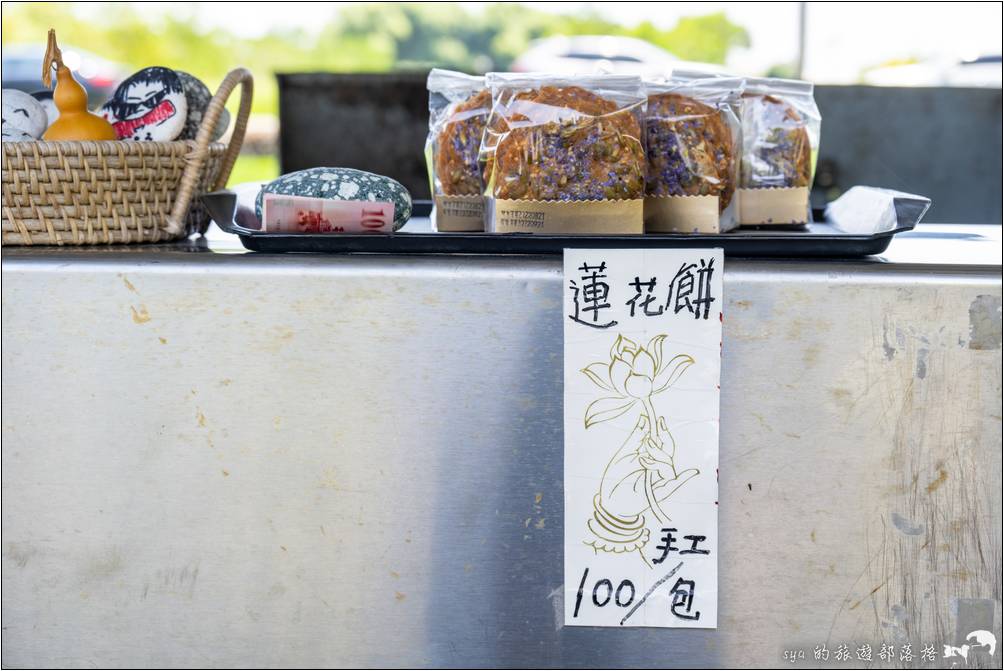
{"x":198,"y":96}
{"x":44,"y":98}
{"x":24,"y":113}
{"x":150,"y":105}
{"x":12,"y":134}
{"x":342,"y":184}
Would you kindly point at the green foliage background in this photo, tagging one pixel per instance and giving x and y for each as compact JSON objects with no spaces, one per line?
{"x":360,"y":38}
{"x":378,"y":37}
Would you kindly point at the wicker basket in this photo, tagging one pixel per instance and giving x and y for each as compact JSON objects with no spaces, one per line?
{"x":85,"y":193}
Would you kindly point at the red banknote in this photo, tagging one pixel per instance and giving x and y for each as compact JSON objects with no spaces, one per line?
{"x":298,"y":214}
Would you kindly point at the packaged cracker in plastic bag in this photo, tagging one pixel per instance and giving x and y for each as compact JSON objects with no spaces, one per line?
{"x":564,"y":154}
{"x":458,"y":109}
{"x":692,"y":148}
{"x":780,"y":131}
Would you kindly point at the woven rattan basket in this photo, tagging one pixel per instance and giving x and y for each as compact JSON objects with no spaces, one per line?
{"x":84,"y":193}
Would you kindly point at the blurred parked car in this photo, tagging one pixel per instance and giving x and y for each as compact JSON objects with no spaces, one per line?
{"x":984,"y":71}
{"x":602,"y":53}
{"x":22,"y":69}
{"x":981,"y":71}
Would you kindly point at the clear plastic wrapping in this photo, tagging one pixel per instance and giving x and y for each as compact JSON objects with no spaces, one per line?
{"x":780,"y":132}
{"x":692,"y":139}
{"x":548,"y":153}
{"x":564,"y":138}
{"x":692,"y":150}
{"x":458,"y":109}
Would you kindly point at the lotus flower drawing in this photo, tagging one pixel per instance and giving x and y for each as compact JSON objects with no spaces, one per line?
{"x":642,"y":474}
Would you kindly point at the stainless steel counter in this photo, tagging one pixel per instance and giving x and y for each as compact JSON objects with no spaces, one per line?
{"x":214,"y":458}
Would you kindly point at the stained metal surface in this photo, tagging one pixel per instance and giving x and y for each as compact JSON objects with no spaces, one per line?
{"x":249,"y":460}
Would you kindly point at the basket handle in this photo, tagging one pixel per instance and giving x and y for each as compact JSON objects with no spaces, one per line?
{"x":196,"y":159}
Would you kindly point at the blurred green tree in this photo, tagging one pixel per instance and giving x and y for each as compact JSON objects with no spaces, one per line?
{"x":367,"y":37}
{"x":701,"y":38}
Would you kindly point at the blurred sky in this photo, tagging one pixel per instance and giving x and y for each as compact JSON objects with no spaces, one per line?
{"x":842,"y":38}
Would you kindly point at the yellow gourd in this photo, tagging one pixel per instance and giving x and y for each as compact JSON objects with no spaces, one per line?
{"x":74,"y":122}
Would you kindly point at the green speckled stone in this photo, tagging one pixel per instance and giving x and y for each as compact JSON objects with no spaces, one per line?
{"x":341,"y":184}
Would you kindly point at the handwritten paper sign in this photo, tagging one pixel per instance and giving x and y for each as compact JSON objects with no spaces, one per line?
{"x":643,"y":336}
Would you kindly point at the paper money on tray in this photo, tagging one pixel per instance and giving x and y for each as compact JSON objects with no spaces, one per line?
{"x":299,"y":214}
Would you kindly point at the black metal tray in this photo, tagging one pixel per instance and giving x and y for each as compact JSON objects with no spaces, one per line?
{"x":859,"y":223}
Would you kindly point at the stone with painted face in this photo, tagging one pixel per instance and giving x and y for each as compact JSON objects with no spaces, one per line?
{"x":199,"y":96}
{"x":150,"y":105}
{"x":342,"y":184}
{"x":44,"y":98}
{"x":11,"y":134}
{"x":24,"y":113}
